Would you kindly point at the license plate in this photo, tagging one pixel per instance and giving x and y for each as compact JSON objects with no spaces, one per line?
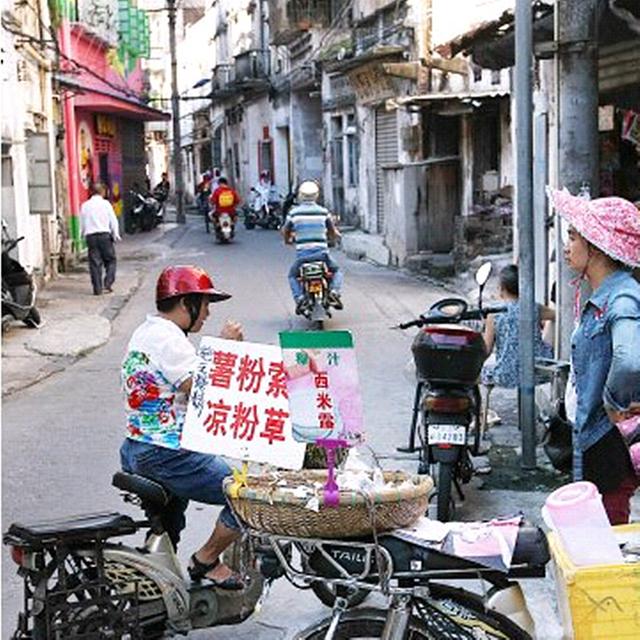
{"x":315,"y":287}
{"x":447,"y":434}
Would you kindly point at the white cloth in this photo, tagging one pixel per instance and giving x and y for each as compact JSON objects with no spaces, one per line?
{"x":97,"y":216}
{"x":167,"y":348}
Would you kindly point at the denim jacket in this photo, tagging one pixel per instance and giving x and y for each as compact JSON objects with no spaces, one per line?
{"x":605,"y":354}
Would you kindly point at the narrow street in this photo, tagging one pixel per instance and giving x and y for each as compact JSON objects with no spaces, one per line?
{"x":68,"y":428}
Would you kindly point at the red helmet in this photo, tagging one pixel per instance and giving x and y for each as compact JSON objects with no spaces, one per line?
{"x":179,"y":280}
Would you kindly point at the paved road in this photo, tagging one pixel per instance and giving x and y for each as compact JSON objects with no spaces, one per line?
{"x":61,"y":437}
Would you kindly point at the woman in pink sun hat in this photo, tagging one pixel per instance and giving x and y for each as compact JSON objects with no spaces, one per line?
{"x":602,"y":247}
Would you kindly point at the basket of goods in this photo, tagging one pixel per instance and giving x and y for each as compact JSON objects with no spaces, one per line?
{"x":295,"y":503}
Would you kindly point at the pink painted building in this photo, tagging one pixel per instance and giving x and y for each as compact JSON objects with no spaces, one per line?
{"x":104,"y":115}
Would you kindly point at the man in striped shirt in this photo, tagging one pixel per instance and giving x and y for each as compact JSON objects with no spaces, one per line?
{"x":311,"y":226}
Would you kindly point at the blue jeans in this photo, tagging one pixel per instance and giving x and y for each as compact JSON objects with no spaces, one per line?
{"x":321,"y":255}
{"x":188,"y":475}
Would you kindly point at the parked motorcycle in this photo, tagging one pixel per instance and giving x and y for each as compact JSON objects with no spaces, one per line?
{"x":80,"y":584}
{"x":161,"y":194}
{"x":317,"y":305}
{"x":224,"y":227}
{"x":144,"y":214}
{"x":448,"y":357}
{"x":18,"y":287}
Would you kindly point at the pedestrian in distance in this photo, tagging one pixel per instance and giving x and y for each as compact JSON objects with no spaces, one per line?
{"x":157,"y":374}
{"x":99,"y":227}
{"x":203,"y":193}
{"x":602,"y":246}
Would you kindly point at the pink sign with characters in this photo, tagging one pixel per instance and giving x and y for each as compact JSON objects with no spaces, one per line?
{"x":239,"y":405}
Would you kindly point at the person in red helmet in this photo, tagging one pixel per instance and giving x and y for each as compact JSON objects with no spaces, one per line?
{"x":156,"y":379}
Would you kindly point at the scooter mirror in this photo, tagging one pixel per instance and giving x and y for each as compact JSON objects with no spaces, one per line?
{"x":483,"y":273}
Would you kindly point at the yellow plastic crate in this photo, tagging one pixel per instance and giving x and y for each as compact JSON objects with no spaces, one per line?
{"x":600,"y":602}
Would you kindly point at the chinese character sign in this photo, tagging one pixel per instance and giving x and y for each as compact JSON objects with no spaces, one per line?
{"x":322,"y":383}
{"x":239,"y":405}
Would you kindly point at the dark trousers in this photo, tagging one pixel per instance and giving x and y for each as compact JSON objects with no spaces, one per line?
{"x":102,"y":253}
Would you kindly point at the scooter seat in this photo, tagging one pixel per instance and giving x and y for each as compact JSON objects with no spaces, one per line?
{"x":150,"y":492}
{"x":74,"y":529}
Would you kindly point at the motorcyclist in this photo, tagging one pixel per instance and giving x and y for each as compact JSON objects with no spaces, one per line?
{"x":157,"y":374}
{"x":311,"y":226}
{"x":265,"y":194}
{"x":203,"y":191}
{"x":224,"y":199}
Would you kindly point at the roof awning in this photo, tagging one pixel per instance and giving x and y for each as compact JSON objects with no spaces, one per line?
{"x":463,"y":96}
{"x":107,"y":102}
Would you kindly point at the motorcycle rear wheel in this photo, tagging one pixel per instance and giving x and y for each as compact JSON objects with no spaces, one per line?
{"x":444,"y":499}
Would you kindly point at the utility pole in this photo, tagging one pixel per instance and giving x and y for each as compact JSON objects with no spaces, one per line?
{"x":175,"y":109}
{"x":524,"y":206}
{"x":576,"y":36}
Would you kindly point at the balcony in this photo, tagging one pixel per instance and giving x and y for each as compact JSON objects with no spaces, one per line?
{"x":288,"y":20}
{"x":252,"y":68}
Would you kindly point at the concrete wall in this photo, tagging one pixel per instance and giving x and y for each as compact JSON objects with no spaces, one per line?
{"x":404,"y":195}
{"x":307,"y":136}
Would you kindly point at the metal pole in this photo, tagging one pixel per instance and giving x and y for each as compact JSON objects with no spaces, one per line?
{"x":175,"y":108}
{"x":524,"y":205}
{"x":577,"y":56}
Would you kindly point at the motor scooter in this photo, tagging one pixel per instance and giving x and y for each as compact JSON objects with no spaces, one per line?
{"x":19,"y":289}
{"x":264,"y":210}
{"x":224,"y":226}
{"x":80,"y":584}
{"x":144,"y":214}
{"x":448,"y":358}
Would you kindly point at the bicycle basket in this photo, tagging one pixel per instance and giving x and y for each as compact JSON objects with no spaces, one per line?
{"x":264,"y":505}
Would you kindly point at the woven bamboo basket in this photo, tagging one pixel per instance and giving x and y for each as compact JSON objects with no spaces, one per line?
{"x":264,"y":506}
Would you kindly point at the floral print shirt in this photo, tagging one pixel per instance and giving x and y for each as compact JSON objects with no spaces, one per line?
{"x":159,"y":359}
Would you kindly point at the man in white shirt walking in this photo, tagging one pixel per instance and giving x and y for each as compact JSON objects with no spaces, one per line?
{"x":99,"y":226}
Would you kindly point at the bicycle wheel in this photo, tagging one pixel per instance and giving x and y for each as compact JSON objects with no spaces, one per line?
{"x":447,"y":614}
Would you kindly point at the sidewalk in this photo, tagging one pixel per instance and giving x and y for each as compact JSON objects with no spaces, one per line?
{"x":75,"y":322}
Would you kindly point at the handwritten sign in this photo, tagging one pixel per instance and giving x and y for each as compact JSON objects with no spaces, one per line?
{"x":239,"y":405}
{"x":322,"y":384}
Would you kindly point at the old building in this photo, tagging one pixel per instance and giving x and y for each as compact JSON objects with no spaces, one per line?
{"x":30,"y":201}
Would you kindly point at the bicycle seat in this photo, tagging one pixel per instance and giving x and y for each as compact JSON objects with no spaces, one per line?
{"x":74,"y":529}
{"x":150,"y":492}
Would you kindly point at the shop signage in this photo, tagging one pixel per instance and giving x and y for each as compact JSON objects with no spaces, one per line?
{"x":371,"y":84}
{"x":239,"y":405}
{"x":322,"y":384}
{"x":105,"y":126}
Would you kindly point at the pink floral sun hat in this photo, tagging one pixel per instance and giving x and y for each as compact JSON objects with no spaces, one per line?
{"x":610,"y":224}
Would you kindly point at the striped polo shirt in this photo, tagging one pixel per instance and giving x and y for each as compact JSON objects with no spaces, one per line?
{"x":309,"y":221}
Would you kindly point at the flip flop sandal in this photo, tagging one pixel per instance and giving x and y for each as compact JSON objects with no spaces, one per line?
{"x":198,"y":572}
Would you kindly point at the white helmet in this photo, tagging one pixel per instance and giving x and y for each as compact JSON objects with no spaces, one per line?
{"x":308,"y":190}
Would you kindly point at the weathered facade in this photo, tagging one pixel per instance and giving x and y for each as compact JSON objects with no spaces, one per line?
{"x":31,"y":206}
